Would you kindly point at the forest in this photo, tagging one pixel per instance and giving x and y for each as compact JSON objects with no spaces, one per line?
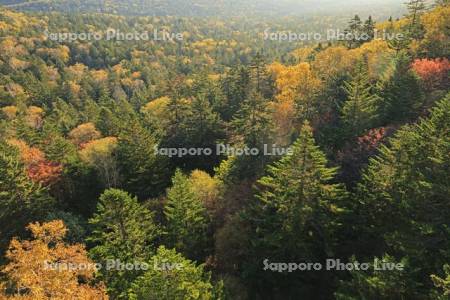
{"x":333,"y":179}
{"x":208,"y":8}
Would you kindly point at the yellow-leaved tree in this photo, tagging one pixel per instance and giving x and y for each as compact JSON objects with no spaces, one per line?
{"x":297,"y":88}
{"x":47,"y":268}
{"x":84,"y":133}
{"x":437,"y":33}
{"x":100,"y":155}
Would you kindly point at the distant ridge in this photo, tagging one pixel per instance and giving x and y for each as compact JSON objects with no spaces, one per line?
{"x":212,"y":8}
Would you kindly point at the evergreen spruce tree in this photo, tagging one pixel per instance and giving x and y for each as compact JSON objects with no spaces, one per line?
{"x":198,"y":126}
{"x":253,"y":124}
{"x":359,"y":111}
{"x":187,"y":219}
{"x":204,"y":129}
{"x":143,"y":173}
{"x":178,"y":109}
{"x":402,"y":202}
{"x":401,"y":91}
{"x":205,"y":87}
{"x":399,"y":43}
{"x":123,"y":232}
{"x":253,"y":121}
{"x":355,"y":28}
{"x":203,"y":124}
{"x":293,"y":218}
{"x":260,"y":79}
{"x":369,"y":28}
{"x":443,"y":284}
{"x":186,"y":280}
{"x":415,"y":9}
{"x":235,"y":88}
{"x":379,"y":284}
{"x":21,"y":200}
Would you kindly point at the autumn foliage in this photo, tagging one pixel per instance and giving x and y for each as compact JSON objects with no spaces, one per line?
{"x":30,"y":270}
{"x":232,"y":162}
{"x":38,"y":168}
{"x":84,"y":133}
{"x":433,"y":72}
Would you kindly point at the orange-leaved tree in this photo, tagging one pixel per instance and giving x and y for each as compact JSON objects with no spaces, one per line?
{"x":47,"y":268}
{"x":38,"y":168}
{"x":433,"y":72}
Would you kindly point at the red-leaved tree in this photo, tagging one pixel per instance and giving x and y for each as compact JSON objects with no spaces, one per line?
{"x":433,"y":72}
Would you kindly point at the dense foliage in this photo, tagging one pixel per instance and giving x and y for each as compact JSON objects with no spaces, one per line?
{"x":350,"y":161}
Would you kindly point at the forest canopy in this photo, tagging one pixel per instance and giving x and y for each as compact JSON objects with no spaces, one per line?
{"x":217,"y":159}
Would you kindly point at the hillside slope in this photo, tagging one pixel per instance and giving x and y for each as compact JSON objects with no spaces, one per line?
{"x":211,"y":8}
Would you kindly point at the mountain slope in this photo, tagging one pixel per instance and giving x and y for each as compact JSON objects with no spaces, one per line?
{"x":211,"y":8}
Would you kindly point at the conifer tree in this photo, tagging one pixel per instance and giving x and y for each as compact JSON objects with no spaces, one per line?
{"x":123,"y":231}
{"x":295,"y":214}
{"x":354,"y":28}
{"x":198,"y":126}
{"x":253,"y":121}
{"x":187,"y":218}
{"x":415,"y":9}
{"x":171,"y":276}
{"x":443,"y":283}
{"x":379,"y":284}
{"x":401,"y":92}
{"x":143,"y":173}
{"x":260,"y":79}
{"x":21,"y":200}
{"x":358,"y":112}
{"x":203,"y":125}
{"x":235,"y":88}
{"x":254,"y":125}
{"x":369,"y":28}
{"x":399,"y":43}
{"x":403,"y":197}
{"x":178,"y":109}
